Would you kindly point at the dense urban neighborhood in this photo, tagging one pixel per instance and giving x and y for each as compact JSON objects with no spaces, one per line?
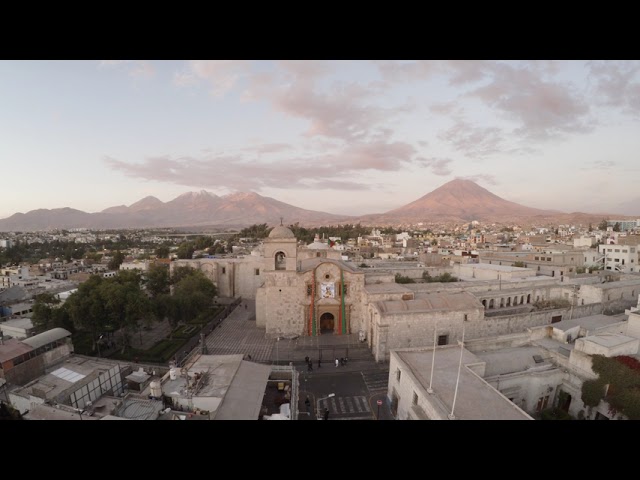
{"x":155,"y":323}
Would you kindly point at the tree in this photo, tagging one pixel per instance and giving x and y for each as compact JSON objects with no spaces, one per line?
{"x":43,"y":312}
{"x":157,"y":280}
{"x":590,"y":228}
{"x":603,"y":225}
{"x":518,"y":264}
{"x":87,"y":309}
{"x":616,"y":227}
{"x":403,"y":279}
{"x":185,"y":250}
{"x":162,"y":251}
{"x":116,"y":260}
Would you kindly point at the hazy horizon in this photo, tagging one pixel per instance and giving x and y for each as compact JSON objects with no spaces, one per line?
{"x":342,"y":137}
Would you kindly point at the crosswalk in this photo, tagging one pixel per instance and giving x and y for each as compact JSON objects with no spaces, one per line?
{"x":355,"y":407}
{"x":376,"y":382}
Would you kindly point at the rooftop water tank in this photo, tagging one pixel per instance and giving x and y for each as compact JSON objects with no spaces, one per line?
{"x":156,"y":389}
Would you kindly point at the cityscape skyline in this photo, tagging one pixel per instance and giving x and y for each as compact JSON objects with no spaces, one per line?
{"x":343,"y":137}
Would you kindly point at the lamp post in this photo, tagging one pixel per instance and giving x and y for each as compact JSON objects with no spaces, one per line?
{"x":318,"y":403}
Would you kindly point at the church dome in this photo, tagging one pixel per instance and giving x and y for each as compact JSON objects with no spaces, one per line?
{"x":281,"y":232}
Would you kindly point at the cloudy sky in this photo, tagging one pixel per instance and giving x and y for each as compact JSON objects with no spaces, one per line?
{"x":350,"y":137}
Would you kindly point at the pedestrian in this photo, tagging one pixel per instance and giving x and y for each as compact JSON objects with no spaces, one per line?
{"x":342,"y":361}
{"x":326,"y":414}
{"x":337,"y":362}
{"x":306,"y":359}
{"x":307,"y":403}
{"x":309,"y":367}
{"x":319,"y":363}
{"x":345,"y":360}
{"x":248,"y":357}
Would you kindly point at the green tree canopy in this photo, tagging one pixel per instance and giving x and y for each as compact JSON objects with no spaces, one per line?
{"x":116,"y":260}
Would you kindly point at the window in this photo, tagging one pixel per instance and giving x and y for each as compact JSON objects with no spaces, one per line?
{"x":537,"y":258}
{"x":317,"y":254}
{"x":257,"y":271}
{"x":617,"y":250}
{"x":542,"y":403}
{"x":398,"y":375}
{"x":443,"y":339}
{"x":224,"y":270}
{"x":415,"y":398}
{"x":465,"y":317}
{"x":624,"y":251}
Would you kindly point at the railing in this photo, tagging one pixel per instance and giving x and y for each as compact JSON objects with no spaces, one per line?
{"x":190,"y":348}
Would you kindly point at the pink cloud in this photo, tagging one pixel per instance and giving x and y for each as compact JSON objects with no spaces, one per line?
{"x":474,"y":141}
{"x":544,"y":109}
{"x":246,"y":172}
{"x":438,"y":166}
{"x":484,"y":178}
{"x":222,"y":75}
{"x":618,"y":84}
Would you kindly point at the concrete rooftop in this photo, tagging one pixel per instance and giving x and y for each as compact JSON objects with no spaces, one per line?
{"x":476,"y":399}
{"x":512,"y":360}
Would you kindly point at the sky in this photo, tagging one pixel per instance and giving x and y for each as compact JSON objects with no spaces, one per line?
{"x":344,"y":137}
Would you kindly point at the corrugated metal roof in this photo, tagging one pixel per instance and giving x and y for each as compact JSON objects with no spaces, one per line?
{"x":13,"y":348}
{"x":47,"y":337}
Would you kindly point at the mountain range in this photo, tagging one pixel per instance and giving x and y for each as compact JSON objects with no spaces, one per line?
{"x":456,"y":201}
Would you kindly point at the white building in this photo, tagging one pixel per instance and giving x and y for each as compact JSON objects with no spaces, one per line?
{"x":622,"y":258}
{"x":455,"y":390}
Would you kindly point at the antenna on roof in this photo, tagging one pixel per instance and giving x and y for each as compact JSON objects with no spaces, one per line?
{"x":433,"y":358}
{"x":455,"y":395}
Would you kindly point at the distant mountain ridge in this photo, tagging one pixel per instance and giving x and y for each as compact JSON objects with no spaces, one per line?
{"x":456,"y":201}
{"x":189,"y":209}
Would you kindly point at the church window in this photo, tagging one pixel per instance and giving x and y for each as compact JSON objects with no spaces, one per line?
{"x":281,"y":261}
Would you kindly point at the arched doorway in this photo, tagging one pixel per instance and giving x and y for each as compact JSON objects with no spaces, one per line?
{"x":327,"y":323}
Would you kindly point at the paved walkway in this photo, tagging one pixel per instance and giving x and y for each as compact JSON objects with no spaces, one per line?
{"x":238,"y":334}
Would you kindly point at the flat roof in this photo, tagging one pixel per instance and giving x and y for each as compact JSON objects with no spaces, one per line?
{"x":76,"y":370}
{"x":46,"y":412}
{"x":491,"y":266}
{"x":140,"y":409}
{"x":512,"y":360}
{"x":243,"y":399}
{"x":475,"y":400}
{"x":427,"y":302}
{"x":609,"y":339}
{"x":388,"y":287}
{"x":590,"y":323}
{"x":18,"y":323}
{"x":622,"y":283}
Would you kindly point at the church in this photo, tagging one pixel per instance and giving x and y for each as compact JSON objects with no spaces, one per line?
{"x":303,"y":290}
{"x":309,"y":290}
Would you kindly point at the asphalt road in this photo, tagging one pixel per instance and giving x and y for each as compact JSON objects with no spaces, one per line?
{"x":355,"y":395}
